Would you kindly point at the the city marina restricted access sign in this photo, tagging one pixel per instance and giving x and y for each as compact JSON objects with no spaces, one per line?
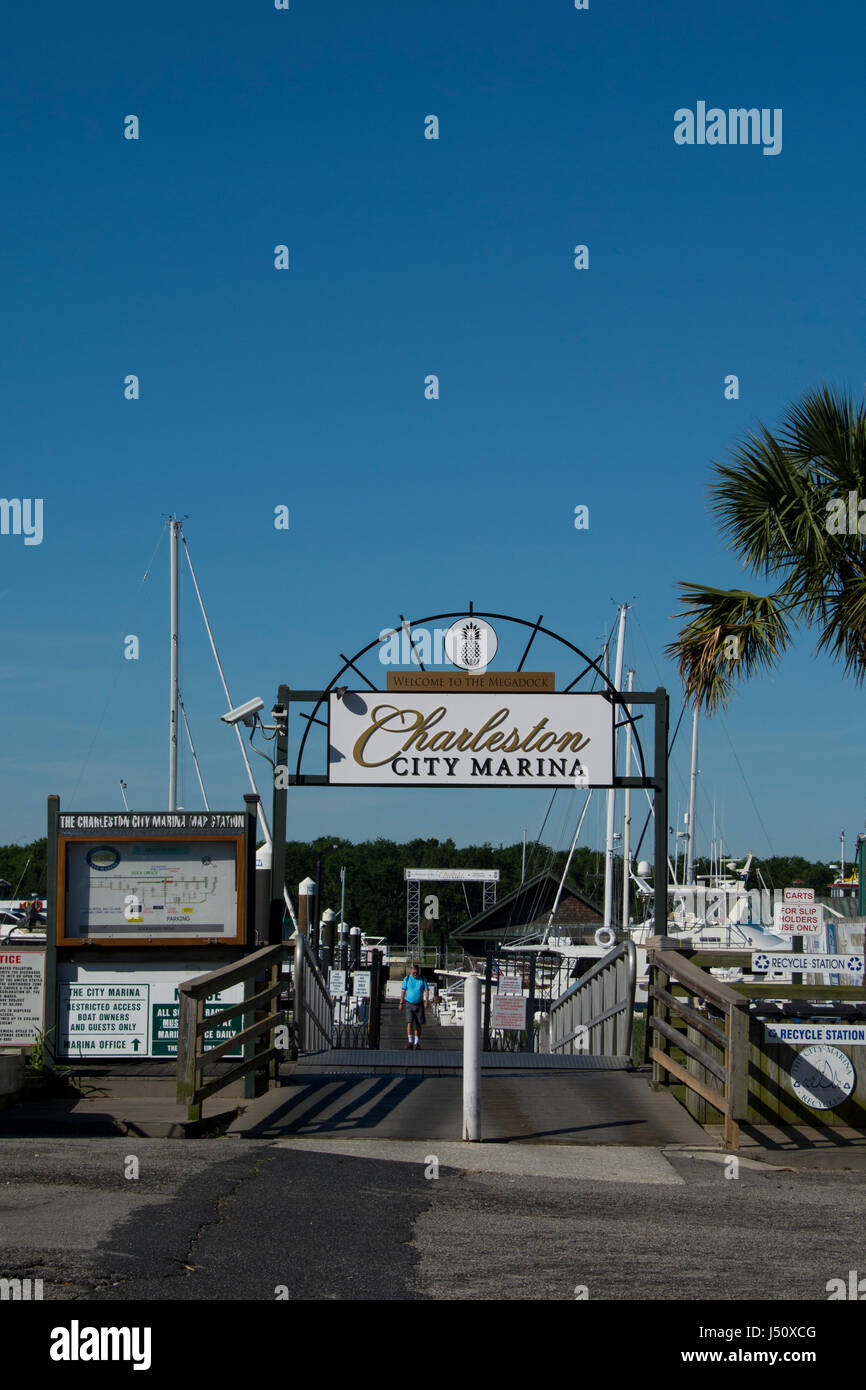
{"x":478,"y":738}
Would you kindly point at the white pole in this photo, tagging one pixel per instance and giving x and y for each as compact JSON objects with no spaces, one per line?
{"x":343,"y":894}
{"x":523,"y":861}
{"x":472,"y":1059}
{"x":693,"y":786}
{"x":626,"y":829}
{"x":174,"y":527}
{"x":611,"y":796}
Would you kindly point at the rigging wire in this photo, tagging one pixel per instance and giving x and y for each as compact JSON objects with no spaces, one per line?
{"x":117,"y":669}
{"x":746,"y":784}
{"x":551,"y":854}
{"x":261,"y":812}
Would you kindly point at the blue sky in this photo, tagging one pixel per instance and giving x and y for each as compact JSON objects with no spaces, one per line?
{"x":558,"y":387}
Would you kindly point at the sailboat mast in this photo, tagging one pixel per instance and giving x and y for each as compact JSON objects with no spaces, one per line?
{"x":626,"y":827}
{"x":611,"y":796}
{"x":174,"y":528}
{"x":693,"y":786}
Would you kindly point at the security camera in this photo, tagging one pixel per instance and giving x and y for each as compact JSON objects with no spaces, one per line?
{"x":244,"y":714}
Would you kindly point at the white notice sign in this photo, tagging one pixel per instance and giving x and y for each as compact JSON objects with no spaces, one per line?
{"x":477,"y":739}
{"x":103,"y":1019}
{"x":843,"y":1034}
{"x":22,"y":989}
{"x":337,"y":983}
{"x":800,"y":919}
{"x":361,"y":980}
{"x":507,"y":1011}
{"x":510,"y":984}
{"x":814,"y":964}
{"x":799,"y":895}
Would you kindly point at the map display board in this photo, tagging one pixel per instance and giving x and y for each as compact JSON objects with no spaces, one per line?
{"x":156,"y":890}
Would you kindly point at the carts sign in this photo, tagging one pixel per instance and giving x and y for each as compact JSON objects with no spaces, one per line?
{"x":470,"y":740}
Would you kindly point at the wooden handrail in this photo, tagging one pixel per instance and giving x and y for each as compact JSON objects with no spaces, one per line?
{"x":194,"y":1023}
{"x":732,"y":1073}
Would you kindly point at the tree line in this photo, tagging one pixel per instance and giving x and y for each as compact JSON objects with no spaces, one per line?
{"x":375,"y":894}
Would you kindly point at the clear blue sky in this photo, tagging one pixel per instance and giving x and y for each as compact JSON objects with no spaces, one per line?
{"x":306,"y":388}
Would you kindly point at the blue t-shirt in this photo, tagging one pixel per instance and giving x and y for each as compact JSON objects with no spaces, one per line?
{"x":414,"y":985}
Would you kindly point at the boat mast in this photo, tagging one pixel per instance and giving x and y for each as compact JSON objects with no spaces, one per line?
{"x":626,"y":828}
{"x":174,"y":528}
{"x":693,"y":785}
{"x":611,"y":796}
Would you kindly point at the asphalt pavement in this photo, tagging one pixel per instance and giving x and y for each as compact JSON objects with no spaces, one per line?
{"x":297,"y":1219}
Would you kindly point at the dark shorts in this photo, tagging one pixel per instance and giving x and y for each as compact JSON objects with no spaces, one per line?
{"x":415,"y":1014}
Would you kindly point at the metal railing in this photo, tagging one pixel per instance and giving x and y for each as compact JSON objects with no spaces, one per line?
{"x":194,"y":1022}
{"x":718,"y":1073}
{"x":314,"y":1009}
{"x":595,"y":1015}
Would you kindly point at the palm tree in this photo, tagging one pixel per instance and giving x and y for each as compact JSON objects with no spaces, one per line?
{"x":788,"y":506}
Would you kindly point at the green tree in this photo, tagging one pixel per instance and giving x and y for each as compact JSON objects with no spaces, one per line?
{"x":782,"y":505}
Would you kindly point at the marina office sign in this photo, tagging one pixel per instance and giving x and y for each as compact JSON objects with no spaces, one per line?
{"x":477,"y":739}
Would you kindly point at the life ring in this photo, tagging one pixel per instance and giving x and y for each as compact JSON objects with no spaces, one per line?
{"x":605,"y":937}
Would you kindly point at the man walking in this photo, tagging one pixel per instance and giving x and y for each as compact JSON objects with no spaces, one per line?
{"x":415,"y":994}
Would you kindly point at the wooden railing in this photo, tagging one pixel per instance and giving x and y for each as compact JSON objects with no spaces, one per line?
{"x":193,"y":1024}
{"x":677,"y":989}
{"x":596,"y":1014}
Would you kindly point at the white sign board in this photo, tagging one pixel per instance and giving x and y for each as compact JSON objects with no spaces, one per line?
{"x":22,"y":992}
{"x":799,"y":895}
{"x":131,"y":1011}
{"x":814,"y":964}
{"x":337,"y":983}
{"x":510,"y":984}
{"x":507,"y":1011}
{"x":452,"y":875}
{"x":361,"y":984}
{"x":477,"y":739}
{"x":136,"y":888}
{"x":799,"y":919}
{"x":844,"y":1034}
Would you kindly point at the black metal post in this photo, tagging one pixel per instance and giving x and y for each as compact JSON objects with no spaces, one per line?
{"x":660,"y":813}
{"x":278,"y":817}
{"x":55,"y":907}
{"x":529,"y":1035}
{"x":251,"y":816}
{"x":373,"y":1023}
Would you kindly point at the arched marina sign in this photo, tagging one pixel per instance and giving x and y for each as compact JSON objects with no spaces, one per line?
{"x":470,"y":739}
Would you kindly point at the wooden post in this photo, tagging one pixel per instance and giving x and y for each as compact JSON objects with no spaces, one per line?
{"x":737,"y":1066}
{"x":274,"y":978}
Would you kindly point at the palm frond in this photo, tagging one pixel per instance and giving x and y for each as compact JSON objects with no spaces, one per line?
{"x":729,"y":635}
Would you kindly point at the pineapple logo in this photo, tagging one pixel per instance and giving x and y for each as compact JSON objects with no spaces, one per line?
{"x":471,"y":644}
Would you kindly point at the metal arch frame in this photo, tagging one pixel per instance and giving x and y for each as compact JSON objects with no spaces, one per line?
{"x":349,"y":663}
{"x":658,"y":698}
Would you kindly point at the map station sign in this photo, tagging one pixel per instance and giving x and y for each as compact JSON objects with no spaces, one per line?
{"x":478,"y":739}
{"x":150,"y":878}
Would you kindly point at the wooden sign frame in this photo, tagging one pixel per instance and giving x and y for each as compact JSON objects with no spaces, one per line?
{"x":163,"y":939}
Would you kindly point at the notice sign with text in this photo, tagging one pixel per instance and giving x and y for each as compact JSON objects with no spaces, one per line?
{"x":132,"y":1011}
{"x":508,"y":1011}
{"x":812,"y":964}
{"x":799,"y":917}
{"x":22,"y":991}
{"x":470,"y":740}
